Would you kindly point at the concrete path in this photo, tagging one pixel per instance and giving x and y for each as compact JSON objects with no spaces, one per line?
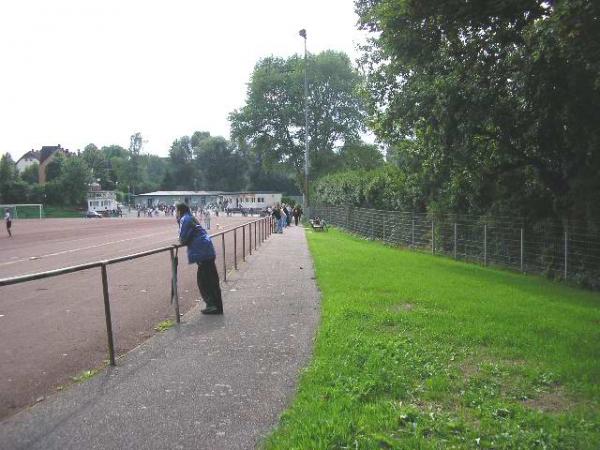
{"x":211,"y":383}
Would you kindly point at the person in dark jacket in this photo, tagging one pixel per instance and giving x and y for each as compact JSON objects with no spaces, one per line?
{"x":200,"y":250}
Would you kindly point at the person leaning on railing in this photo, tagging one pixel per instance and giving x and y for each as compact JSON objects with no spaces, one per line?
{"x":200,"y":250}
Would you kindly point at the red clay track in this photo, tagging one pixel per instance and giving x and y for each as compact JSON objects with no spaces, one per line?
{"x":53,"y":329}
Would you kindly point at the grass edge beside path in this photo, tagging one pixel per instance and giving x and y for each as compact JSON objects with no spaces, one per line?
{"x":417,"y":351}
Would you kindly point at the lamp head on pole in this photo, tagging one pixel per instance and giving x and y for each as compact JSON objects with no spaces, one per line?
{"x":302,"y":33}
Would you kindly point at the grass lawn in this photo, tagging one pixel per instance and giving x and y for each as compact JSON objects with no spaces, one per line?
{"x":419,"y":351}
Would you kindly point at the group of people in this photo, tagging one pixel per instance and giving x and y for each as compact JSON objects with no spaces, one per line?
{"x":282,"y":215}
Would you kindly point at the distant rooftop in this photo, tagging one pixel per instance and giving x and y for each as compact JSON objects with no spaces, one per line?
{"x":178,"y":193}
{"x":192,"y":193}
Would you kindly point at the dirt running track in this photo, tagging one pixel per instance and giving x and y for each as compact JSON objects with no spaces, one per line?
{"x":53,"y":329}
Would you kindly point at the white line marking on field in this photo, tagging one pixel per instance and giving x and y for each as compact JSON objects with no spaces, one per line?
{"x":87,"y":248}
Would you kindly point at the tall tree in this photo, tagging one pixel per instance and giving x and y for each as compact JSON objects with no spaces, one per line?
{"x":217,"y":163}
{"x":494,"y":104}
{"x":272,"y":121}
{"x":96,"y":160}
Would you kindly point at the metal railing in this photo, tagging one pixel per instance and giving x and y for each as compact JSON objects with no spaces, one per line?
{"x":262,"y":228}
{"x":553,"y":249}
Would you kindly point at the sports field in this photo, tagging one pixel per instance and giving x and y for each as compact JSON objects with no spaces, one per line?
{"x":54,"y":329}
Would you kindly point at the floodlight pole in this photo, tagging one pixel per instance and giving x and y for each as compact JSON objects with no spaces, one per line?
{"x":306,"y":161}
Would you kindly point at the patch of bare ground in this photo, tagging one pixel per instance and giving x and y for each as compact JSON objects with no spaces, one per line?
{"x":402,"y":307}
{"x":471,"y":366}
{"x":554,"y":401}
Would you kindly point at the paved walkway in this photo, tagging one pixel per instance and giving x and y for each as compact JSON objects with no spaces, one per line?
{"x":214,"y":382}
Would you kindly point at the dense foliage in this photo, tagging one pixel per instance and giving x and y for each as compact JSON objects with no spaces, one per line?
{"x":493,"y":106}
{"x":271,"y":125}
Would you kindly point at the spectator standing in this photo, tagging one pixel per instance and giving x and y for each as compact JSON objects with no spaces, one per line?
{"x":8,"y":221}
{"x":288,"y":216}
{"x":277,"y":217}
{"x":207,"y":219}
{"x":200,"y":250}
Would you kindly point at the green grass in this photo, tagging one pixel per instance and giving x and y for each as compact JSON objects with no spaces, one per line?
{"x":164,"y":325}
{"x":418,"y":351}
{"x":84,"y":376}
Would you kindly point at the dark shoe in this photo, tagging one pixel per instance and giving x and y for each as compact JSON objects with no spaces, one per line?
{"x":211,"y":310}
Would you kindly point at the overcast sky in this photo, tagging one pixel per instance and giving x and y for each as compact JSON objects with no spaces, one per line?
{"x":77,"y":71}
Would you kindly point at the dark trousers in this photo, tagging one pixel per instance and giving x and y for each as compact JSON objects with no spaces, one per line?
{"x":296,"y":220}
{"x":208,"y":283}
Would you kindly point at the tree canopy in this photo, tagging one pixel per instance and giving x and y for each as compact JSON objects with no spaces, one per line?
{"x":272,"y":122}
{"x":494,"y":104}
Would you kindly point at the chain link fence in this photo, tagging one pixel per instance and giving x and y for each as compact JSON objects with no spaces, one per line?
{"x":568,"y":251}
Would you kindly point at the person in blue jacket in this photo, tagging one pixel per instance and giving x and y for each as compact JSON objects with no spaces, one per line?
{"x":200,"y":250}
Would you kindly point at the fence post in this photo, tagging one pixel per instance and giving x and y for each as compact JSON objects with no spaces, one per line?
{"x":432,"y":239}
{"x":372,"y":226}
{"x":109,"y":332}
{"x":566,"y":251}
{"x":522,"y":271}
{"x":244,"y":243}
{"x":224,"y":257}
{"x":250,"y":238}
{"x":485,"y":244}
{"x":235,"y":249}
{"x":455,"y":240}
{"x":255,"y":240}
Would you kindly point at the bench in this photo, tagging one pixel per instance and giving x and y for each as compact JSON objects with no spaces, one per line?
{"x":318,"y":225}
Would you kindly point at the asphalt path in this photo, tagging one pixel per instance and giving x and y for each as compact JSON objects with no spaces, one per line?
{"x":51,"y":330}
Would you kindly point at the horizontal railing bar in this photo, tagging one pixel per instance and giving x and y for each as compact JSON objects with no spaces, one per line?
{"x":49,"y":273}
{"x":52,"y":273}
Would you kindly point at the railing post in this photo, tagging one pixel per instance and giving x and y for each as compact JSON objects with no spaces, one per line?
{"x":109,"y":332}
{"x":224,"y":257}
{"x":244,"y":243}
{"x":174,"y":292}
{"x":485,"y":244}
{"x":455,"y":239}
{"x":566,"y":251}
{"x":255,"y":240}
{"x":250,"y":238}
{"x":235,"y":249}
{"x":522,"y":233}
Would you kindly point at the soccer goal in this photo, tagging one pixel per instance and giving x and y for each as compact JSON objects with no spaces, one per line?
{"x":24,"y":210}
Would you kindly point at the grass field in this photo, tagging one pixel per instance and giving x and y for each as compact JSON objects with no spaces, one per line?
{"x":418,"y":351}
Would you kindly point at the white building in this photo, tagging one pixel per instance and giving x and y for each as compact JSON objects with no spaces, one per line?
{"x":251,"y":199}
{"x":98,"y":200}
{"x":247,"y":200}
{"x":28,"y":159}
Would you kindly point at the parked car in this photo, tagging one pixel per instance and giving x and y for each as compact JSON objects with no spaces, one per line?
{"x":93,"y":215}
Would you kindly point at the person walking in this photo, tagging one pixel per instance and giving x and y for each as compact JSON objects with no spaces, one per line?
{"x":8,"y":221}
{"x":200,"y":250}
{"x":297,"y":212}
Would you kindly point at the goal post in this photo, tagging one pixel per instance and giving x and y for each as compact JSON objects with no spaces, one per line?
{"x":24,"y":210}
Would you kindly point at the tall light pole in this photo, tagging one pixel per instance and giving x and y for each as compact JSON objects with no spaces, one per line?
{"x":302,"y":33}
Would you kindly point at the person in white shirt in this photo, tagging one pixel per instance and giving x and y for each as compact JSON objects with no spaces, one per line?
{"x":8,"y":221}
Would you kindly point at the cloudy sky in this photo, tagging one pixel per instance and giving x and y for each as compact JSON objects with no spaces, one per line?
{"x":80,"y":71}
